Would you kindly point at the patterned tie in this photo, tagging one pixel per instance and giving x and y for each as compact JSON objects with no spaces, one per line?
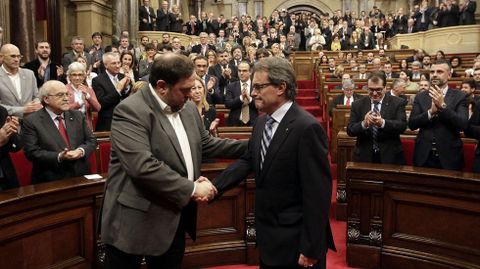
{"x":267,"y":137}
{"x":348,"y":101}
{"x":375,"y":129}
{"x":63,"y":131}
{"x":245,"y":114}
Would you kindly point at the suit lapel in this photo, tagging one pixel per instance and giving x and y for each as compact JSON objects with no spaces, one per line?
{"x":282,"y":132}
{"x":23,"y":85}
{"x":385,"y":106}
{"x":189,"y":124}
{"x":164,"y":122}
{"x":7,"y":82}
{"x":71,"y":130}
{"x":52,"y":129}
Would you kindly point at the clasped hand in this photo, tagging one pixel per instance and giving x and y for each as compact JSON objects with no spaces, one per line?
{"x":437,"y":98}
{"x":372,"y":118}
{"x":204,"y":190}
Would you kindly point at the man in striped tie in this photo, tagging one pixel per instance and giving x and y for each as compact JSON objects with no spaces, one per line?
{"x":377,"y":122}
{"x":288,"y":153}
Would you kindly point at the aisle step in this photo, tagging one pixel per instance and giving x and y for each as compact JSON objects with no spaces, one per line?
{"x":307,"y":101}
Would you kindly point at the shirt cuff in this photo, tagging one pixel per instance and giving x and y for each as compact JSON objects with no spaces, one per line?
{"x":194,"y":188}
{"x":83,"y":151}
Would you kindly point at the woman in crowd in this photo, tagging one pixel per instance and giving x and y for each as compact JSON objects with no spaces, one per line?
{"x":276,"y":51}
{"x":403,"y":65}
{"x":315,"y":40}
{"x":440,"y":55}
{"x":128,"y":66}
{"x":211,"y":58}
{"x":82,"y":97}
{"x":89,"y":75}
{"x":251,"y":55}
{"x":207,"y":112}
{"x":354,"y":41}
{"x":145,"y":65}
{"x":456,"y":64}
{"x":176,"y":20}
{"x":336,"y":44}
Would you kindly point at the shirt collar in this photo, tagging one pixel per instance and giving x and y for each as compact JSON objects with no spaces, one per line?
{"x":8,"y":73}
{"x":281,"y":111}
{"x":52,"y":114}
{"x":165,"y":108}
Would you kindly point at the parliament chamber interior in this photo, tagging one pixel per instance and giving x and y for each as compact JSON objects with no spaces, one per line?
{"x":382,"y":215}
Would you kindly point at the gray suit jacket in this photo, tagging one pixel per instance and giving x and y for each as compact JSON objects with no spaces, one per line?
{"x":8,"y":95}
{"x":148,"y":190}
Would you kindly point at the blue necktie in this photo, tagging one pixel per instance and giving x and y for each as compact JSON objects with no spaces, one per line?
{"x":375,"y":129}
{"x":267,"y":137}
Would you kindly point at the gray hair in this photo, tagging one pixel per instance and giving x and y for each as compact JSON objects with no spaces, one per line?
{"x":107,"y":55}
{"x":76,"y":67}
{"x":47,"y":87}
{"x":417,"y":63}
{"x":78,"y":38}
{"x":279,"y":70}
{"x":398,"y":82}
{"x":348,"y":83}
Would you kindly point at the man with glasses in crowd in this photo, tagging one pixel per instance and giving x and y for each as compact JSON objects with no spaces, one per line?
{"x":57,"y":140}
{"x":18,"y":86}
{"x":377,"y":122}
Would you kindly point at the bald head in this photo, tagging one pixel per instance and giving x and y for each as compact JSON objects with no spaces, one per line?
{"x":11,"y":57}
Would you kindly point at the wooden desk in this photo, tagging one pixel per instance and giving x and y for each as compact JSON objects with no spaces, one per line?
{"x":54,"y":225}
{"x":411,"y":217}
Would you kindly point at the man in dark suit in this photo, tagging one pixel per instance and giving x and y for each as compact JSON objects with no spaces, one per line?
{"x":78,"y":48}
{"x":398,"y":90}
{"x":367,"y":40}
{"x":211,"y":82}
{"x":192,"y":26}
{"x":158,"y":142}
{"x":346,"y":98}
{"x":377,"y":122}
{"x":387,"y":68}
{"x":288,"y":154}
{"x":223,"y":71}
{"x":9,"y":142}
{"x":57,"y":140}
{"x":147,"y":17}
{"x":239,"y":100}
{"x":203,"y":47}
{"x":163,"y":17}
{"x":110,"y":88}
{"x":43,"y":67}
{"x":441,"y":114}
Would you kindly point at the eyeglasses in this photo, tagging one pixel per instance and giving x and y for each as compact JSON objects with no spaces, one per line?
{"x":259,"y":87}
{"x":378,"y":90}
{"x":61,"y":94}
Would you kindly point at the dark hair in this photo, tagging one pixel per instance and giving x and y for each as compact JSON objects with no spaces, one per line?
{"x":441,"y":52}
{"x":110,"y":48}
{"x":470,"y":82}
{"x":279,"y":70}
{"x":150,"y":46}
{"x":262,"y":52}
{"x":41,"y":41}
{"x":375,"y":76}
{"x":171,"y":68}
{"x":408,"y":73}
{"x":97,"y":34}
{"x":200,"y":57}
{"x":126,"y":52}
{"x":456,"y":57}
{"x":443,"y":62}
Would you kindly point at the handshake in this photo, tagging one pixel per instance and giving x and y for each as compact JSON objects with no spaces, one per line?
{"x":204,"y":190}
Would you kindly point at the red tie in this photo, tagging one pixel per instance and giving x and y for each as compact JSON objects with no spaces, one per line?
{"x":348,"y":101}
{"x":62,"y":131}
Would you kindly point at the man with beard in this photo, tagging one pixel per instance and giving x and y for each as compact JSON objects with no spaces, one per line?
{"x":441,"y":114}
{"x":224,"y":72}
{"x":43,"y":67}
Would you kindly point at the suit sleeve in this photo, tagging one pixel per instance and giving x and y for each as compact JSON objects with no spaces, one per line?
{"x":89,"y":143}
{"x":316,"y":185}
{"x":32,"y":148}
{"x":105,"y":98}
{"x":232,"y":101}
{"x":399,"y":124}
{"x":354,"y":127}
{"x":418,"y":116}
{"x":473,"y":129}
{"x":456,"y":118}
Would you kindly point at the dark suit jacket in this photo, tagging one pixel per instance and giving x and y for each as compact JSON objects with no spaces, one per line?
{"x":216,"y":71}
{"x":293,"y":190}
{"x":215,"y":97}
{"x":338,"y":100}
{"x":35,"y":65}
{"x":163,"y":20}
{"x":148,"y":190}
{"x":198,"y":49}
{"x":43,"y":143}
{"x":191,"y":31}
{"x":473,"y":131}
{"x":108,"y":97}
{"x":233,"y":102}
{"x":14,"y":144}
{"x":393,"y":112}
{"x":143,"y":14}
{"x":444,"y":128}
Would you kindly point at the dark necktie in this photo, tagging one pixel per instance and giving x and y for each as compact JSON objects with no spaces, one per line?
{"x":63,"y":131}
{"x":375,"y":129}
{"x":267,"y":137}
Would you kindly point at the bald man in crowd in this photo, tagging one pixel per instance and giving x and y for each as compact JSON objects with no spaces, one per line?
{"x":18,"y":86}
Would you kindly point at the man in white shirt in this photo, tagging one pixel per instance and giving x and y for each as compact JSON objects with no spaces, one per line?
{"x":18,"y":86}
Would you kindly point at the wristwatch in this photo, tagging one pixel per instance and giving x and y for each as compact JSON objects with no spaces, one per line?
{"x":443,"y":105}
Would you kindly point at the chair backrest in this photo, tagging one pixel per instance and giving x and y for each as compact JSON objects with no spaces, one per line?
{"x":23,"y":167}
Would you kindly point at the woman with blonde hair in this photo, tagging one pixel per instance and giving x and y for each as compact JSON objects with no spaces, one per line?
{"x":207,"y":112}
{"x":81,"y":96}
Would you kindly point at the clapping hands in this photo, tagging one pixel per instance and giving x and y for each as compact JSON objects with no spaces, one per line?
{"x":204,"y":190}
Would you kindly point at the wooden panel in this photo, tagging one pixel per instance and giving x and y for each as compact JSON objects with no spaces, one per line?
{"x":416,"y":217}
